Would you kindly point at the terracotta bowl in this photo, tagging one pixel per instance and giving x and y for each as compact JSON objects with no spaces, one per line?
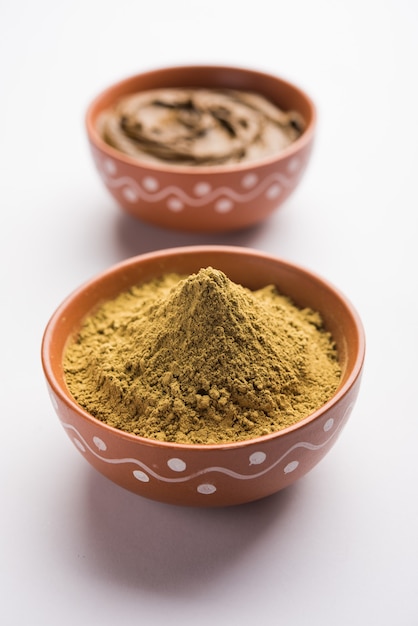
{"x":196,"y":474}
{"x":211,"y":198}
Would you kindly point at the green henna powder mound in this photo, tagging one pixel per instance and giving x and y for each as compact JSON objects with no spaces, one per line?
{"x":200,"y":359}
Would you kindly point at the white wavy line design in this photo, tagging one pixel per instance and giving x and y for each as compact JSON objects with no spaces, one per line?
{"x":220,"y":192}
{"x":220,"y":470}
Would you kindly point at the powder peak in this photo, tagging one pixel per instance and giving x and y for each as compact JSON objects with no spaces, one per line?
{"x":205,"y":301}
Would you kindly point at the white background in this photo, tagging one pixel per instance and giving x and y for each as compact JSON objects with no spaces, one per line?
{"x":341,"y":546}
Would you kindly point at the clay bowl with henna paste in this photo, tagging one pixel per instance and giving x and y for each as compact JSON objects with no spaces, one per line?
{"x":213,"y":474}
{"x":211,"y":198}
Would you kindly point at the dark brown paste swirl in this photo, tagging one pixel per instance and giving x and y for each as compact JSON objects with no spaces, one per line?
{"x":199,"y":126}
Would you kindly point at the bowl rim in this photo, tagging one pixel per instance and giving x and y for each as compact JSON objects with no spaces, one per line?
{"x":65,"y":396}
{"x":97,"y":141}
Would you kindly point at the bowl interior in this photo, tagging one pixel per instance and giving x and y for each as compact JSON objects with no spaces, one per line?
{"x":278,"y":90}
{"x":250,"y":268}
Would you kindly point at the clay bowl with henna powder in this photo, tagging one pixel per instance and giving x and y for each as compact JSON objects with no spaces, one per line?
{"x":211,"y":198}
{"x":212,"y":474}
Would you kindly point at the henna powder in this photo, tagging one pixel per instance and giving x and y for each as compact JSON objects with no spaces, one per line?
{"x":201,"y":359}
